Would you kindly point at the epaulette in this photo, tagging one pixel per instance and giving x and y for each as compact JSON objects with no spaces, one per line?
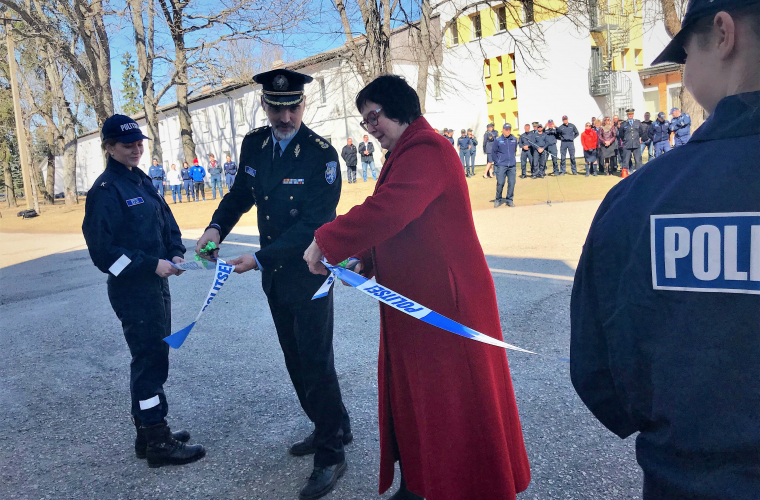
{"x":322,"y":143}
{"x":259,"y":130}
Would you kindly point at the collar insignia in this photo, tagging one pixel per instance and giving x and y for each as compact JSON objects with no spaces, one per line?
{"x":297,"y":150}
{"x":266,"y":141}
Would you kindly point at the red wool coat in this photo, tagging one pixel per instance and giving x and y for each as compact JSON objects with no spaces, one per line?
{"x":447,"y":408}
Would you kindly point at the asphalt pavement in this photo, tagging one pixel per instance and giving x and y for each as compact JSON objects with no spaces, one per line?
{"x":65,"y":431}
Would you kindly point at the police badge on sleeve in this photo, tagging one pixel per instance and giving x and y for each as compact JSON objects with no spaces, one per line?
{"x":331,"y":173}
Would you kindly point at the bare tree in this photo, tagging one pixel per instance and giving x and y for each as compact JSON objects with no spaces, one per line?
{"x":240,"y":60}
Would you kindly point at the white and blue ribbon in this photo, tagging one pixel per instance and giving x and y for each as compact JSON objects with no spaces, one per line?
{"x":223,"y":271}
{"x":407,"y":306}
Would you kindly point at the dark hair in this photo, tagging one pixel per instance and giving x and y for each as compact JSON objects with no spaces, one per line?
{"x":398,"y":99}
{"x":703,"y":28}
{"x":108,"y":142}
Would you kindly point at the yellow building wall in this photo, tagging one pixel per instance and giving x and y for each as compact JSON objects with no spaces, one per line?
{"x":501,"y":109}
{"x":635,"y":42}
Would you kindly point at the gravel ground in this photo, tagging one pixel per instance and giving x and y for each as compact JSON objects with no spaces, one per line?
{"x":64,"y":400}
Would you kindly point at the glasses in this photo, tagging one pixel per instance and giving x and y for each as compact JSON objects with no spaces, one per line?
{"x":371,"y":119}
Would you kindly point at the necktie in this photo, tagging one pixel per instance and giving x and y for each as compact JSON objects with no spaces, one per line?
{"x":277,"y":150}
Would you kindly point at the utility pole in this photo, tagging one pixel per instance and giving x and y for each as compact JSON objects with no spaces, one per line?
{"x":29,"y":195}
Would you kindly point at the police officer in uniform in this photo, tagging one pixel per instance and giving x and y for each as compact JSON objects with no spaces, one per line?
{"x":525,"y":152}
{"x":505,"y":165}
{"x":473,"y":151}
{"x":659,"y":133}
{"x":567,"y":132}
{"x":665,"y":310}
{"x":552,"y":136}
{"x":131,"y":236}
{"x":292,"y":176}
{"x":488,"y":139}
{"x":187,"y":181}
{"x":630,"y":135}
{"x":464,"y":144}
{"x":680,"y":126}
{"x":540,"y":143}
{"x":230,"y":171}
{"x":156,"y":173}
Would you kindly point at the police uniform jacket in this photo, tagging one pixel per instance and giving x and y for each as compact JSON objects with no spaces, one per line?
{"x":126,"y":221}
{"x":488,"y":139}
{"x":630,"y":134}
{"x":525,"y":140}
{"x":665,"y":312}
{"x":645,"y":125}
{"x":504,"y":151}
{"x":294,"y":195}
{"x":552,"y":135}
{"x":474,"y":143}
{"x":659,"y":131}
{"x":540,"y":141}
{"x":464,"y":143}
{"x":567,"y":132}
{"x":681,"y":125}
{"x":156,"y":172}
{"x":186,"y":174}
{"x":230,"y":168}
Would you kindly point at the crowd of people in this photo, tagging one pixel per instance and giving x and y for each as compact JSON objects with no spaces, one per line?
{"x":351,"y":153}
{"x":193,"y":179}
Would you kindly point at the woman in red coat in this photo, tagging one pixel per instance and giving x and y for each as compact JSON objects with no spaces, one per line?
{"x":447,"y":409}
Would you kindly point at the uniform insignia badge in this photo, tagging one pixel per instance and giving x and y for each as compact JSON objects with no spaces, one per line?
{"x":331,"y":173}
{"x":264,"y":144}
{"x":102,"y":184}
{"x":250,"y":171}
{"x":280,"y":82}
{"x":324,"y":145}
{"x":138,"y":200}
{"x":297,"y":150}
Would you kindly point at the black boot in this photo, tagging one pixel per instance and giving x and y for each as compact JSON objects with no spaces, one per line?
{"x":322,"y":481}
{"x":163,"y":449}
{"x":141,"y":442}
{"x":404,"y":494}
{"x":306,"y":447}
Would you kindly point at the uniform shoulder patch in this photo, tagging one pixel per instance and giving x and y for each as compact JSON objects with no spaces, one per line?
{"x":331,"y":173}
{"x":259,"y":130}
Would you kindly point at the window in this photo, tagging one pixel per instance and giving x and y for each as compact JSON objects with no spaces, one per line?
{"x":501,"y":91}
{"x":454,"y":34}
{"x":511,"y":63}
{"x":674,"y":96}
{"x":501,"y":18}
{"x":528,"y":13}
{"x":488,"y":92}
{"x":437,"y":84}
{"x":239,"y":115}
{"x":498,"y":62}
{"x":222,"y":115}
{"x":490,"y":119}
{"x":322,"y":91}
{"x":514,"y":89}
{"x":477,"y":32}
{"x":487,"y":68}
{"x":637,"y":56}
{"x":623,"y":58}
{"x":503,"y":119}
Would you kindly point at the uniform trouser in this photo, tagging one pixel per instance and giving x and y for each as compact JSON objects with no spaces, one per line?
{"x":636,"y":156}
{"x":351,"y":171}
{"x":305,"y":331}
{"x":216,"y":182}
{"x":176,"y":192}
{"x":200,"y":190}
{"x":230,"y":180}
{"x":159,"y":185}
{"x":145,"y":310}
{"x":551,"y":150}
{"x":660,"y":148}
{"x":371,"y":165}
{"x":188,"y":189}
{"x":540,"y":160}
{"x":525,"y":156}
{"x":473,"y":152}
{"x":507,"y":174}
{"x":647,"y":145}
{"x":680,"y":141}
{"x":564,"y":148}
{"x":464,"y":157}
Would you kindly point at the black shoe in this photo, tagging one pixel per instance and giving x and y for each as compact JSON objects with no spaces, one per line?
{"x":575,"y":173}
{"x":306,"y":447}
{"x":141,"y":442}
{"x":163,"y":449}
{"x":322,"y":481}
{"x":404,"y":494}
{"x":510,"y":204}
{"x":497,"y":203}
{"x":523,"y":176}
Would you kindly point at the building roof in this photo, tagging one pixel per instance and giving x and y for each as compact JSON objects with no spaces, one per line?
{"x":660,"y":69}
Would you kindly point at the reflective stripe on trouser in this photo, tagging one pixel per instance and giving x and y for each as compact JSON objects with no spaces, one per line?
{"x":144,"y":309}
{"x":565,"y":148}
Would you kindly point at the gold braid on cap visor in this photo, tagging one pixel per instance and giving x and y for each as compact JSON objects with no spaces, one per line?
{"x":280,"y":103}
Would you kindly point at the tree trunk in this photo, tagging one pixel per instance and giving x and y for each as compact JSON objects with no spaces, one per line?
{"x":185,"y":121}
{"x":688,"y":103}
{"x":10,"y":194}
{"x":145,"y":58}
{"x":423,"y":63}
{"x":69,"y":158}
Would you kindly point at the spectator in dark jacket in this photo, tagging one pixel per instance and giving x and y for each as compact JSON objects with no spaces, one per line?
{"x":646,"y":142}
{"x":608,"y":146}
{"x":349,"y":156}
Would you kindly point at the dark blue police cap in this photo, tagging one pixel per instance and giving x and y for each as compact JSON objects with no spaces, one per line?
{"x":122,"y":128}
{"x":696,"y":10}
{"x":282,"y":87}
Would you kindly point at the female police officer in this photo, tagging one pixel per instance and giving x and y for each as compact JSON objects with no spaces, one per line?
{"x":130,"y":232}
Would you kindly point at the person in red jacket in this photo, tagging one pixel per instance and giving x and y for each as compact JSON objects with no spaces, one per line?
{"x":447,"y":408}
{"x":589,"y":141}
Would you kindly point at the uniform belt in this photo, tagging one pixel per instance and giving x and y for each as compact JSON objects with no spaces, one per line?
{"x":157,"y":178}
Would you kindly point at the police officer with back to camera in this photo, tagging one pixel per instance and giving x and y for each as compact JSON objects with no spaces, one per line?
{"x":630,"y":135}
{"x":156,"y":173}
{"x":131,"y":236}
{"x":292,"y":176}
{"x":659,"y":133}
{"x":552,"y":136}
{"x":505,"y":165}
{"x":526,"y":153}
{"x":567,"y":132}
{"x":680,"y":126}
{"x":665,"y":310}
